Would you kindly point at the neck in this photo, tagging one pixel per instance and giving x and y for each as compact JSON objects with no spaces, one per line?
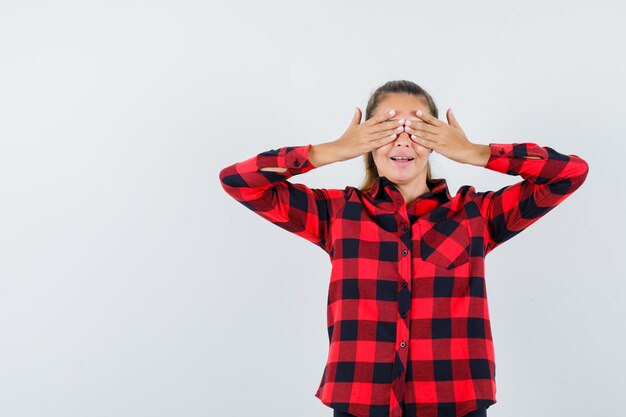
{"x":413,"y":190}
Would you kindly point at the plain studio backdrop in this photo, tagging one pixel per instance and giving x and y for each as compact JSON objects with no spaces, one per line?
{"x":131,"y":284}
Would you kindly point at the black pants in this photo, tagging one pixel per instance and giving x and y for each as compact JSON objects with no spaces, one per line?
{"x":476,"y":413}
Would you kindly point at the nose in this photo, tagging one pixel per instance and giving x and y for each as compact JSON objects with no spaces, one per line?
{"x":402,"y":139}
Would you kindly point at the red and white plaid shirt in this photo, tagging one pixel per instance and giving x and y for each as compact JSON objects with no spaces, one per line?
{"x":408,"y":319}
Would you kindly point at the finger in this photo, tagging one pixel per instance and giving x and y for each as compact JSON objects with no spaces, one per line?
{"x":420,"y":127}
{"x":377,"y":143}
{"x":423,"y":141}
{"x":423,"y":135}
{"x":380,"y":118}
{"x":383,"y":134}
{"x":425,"y":117}
{"x":357,"y":116}
{"x":389,"y":126}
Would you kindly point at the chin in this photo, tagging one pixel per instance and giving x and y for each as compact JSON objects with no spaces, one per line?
{"x":402,"y":175}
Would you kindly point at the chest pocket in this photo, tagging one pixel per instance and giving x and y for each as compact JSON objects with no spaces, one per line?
{"x":445,"y":242}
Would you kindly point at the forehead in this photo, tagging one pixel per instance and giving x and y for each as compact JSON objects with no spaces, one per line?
{"x":403,"y":104}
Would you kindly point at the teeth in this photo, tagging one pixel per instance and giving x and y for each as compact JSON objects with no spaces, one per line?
{"x":400,"y":157}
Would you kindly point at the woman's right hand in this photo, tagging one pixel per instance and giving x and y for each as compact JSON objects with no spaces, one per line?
{"x":361,"y":138}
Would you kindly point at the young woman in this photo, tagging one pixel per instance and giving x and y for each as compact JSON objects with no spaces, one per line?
{"x":408,"y":318}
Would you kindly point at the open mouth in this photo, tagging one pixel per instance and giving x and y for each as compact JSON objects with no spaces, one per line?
{"x":401,"y":160}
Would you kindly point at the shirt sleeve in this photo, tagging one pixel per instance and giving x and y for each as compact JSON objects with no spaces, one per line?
{"x":304,"y":211}
{"x":549,"y":178}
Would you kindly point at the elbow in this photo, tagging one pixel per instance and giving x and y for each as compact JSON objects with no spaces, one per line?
{"x":571,"y":178}
{"x":580,"y":171}
{"x":230,"y":178}
{"x":575,"y":176}
{"x":233,"y":181}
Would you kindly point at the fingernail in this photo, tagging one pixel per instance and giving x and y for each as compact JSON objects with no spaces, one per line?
{"x":419,"y":112}
{"x":392,"y":112}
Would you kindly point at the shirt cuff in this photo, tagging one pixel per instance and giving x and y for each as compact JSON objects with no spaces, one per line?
{"x":297,"y":159}
{"x":502,"y":153}
{"x":294,"y":158}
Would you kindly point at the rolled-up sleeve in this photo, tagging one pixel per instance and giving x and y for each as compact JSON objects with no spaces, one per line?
{"x":549,"y":177}
{"x":304,"y":211}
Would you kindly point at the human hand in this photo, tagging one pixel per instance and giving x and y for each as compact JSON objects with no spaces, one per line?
{"x":360,"y":138}
{"x":446,"y":139}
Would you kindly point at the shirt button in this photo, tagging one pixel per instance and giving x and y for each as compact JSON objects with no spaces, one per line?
{"x":403,"y":314}
{"x":297,"y":163}
{"x":404,"y":252}
{"x":405,"y":284}
{"x":405,"y":228}
{"x":402,"y":344}
{"x":501,"y":151}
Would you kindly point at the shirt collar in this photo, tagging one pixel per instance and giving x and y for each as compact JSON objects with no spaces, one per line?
{"x":383,"y":190}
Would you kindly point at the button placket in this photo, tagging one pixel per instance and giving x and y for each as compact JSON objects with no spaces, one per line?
{"x":404,"y":265}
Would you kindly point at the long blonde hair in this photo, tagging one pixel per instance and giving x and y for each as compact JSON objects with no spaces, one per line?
{"x":392,"y":87}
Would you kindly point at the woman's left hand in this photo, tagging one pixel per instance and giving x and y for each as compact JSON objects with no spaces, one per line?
{"x":446,"y":139}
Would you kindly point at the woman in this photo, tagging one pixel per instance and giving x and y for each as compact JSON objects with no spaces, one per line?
{"x":408,"y":319}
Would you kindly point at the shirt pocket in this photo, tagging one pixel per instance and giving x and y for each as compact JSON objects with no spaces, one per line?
{"x":445,"y":243}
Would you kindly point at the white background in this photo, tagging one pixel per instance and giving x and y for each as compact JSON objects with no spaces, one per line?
{"x":131,"y":284}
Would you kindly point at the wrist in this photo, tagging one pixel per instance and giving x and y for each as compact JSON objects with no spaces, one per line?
{"x":323,"y":154}
{"x":478,"y":154}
